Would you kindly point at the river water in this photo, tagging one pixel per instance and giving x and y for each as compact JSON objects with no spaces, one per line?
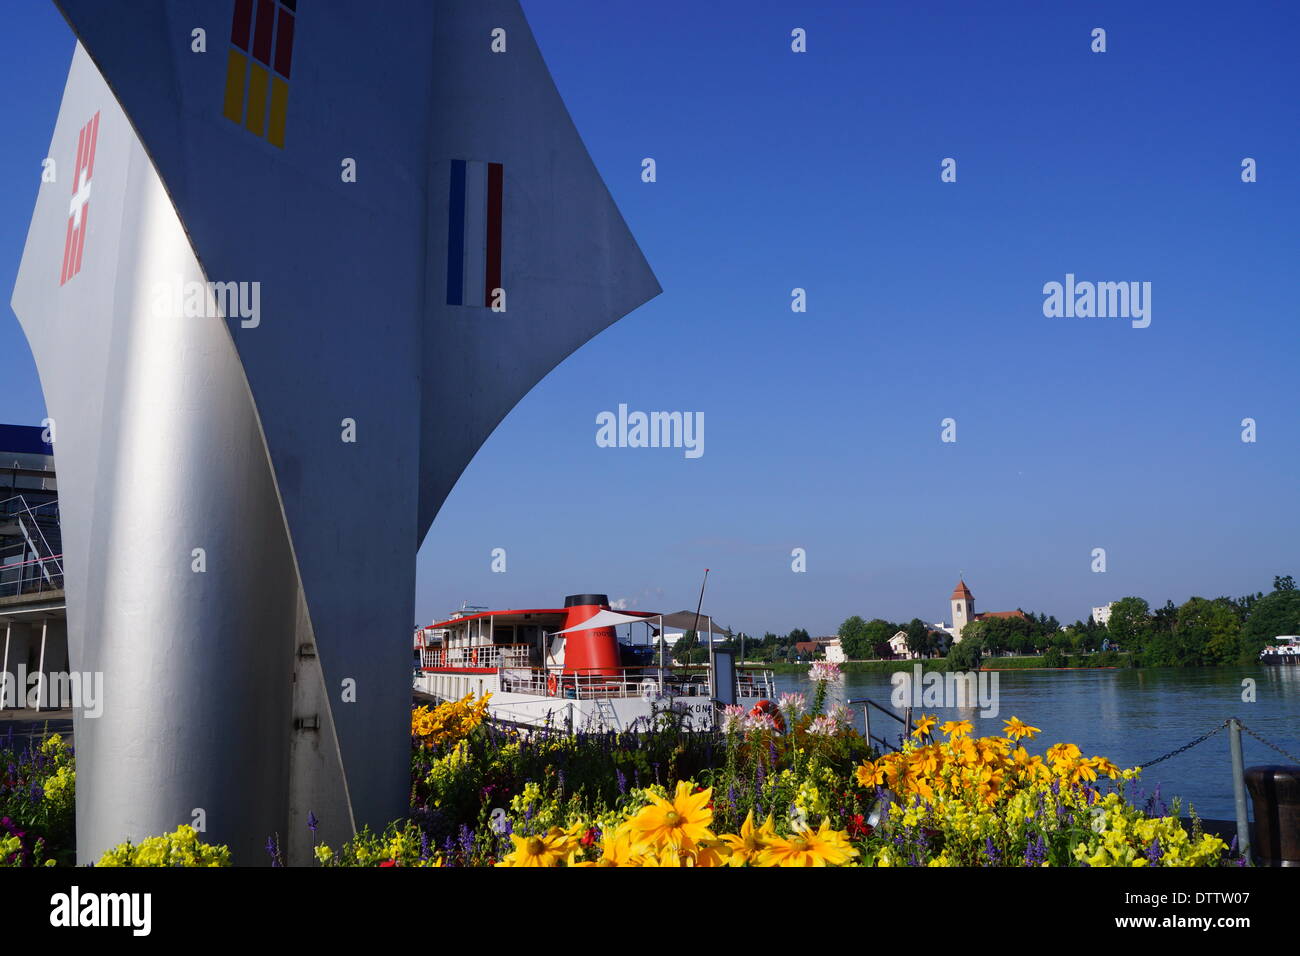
{"x":1130,"y":716}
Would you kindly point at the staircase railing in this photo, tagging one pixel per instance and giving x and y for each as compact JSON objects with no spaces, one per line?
{"x":39,"y":563}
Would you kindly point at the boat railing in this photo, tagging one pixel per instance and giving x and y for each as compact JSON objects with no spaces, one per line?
{"x":493,"y":656}
{"x":596,"y":682}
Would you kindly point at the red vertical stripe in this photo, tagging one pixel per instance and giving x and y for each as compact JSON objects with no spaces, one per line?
{"x":67,"y":253}
{"x":265,"y":25}
{"x":81,"y":158}
{"x":496,"y":182}
{"x":242,"y":25}
{"x":81,"y":238}
{"x":284,"y":43}
{"x":93,"y":126}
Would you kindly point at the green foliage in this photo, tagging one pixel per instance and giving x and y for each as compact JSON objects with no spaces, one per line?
{"x":1276,"y":614}
{"x":180,"y":848}
{"x":966,"y":654}
{"x":1129,"y":621}
{"x":37,"y":798}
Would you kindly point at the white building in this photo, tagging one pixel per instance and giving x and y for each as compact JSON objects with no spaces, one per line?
{"x":835,"y":651}
{"x":1102,"y":614}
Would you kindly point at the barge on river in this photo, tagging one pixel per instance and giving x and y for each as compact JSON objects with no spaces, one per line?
{"x":1284,"y":650}
{"x":566,"y":668}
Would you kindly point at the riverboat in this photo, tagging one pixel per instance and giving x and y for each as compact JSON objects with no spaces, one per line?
{"x":565,"y":668}
{"x":1284,"y":650}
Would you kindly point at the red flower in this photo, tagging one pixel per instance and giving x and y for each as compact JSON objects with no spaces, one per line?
{"x":858,"y":827}
{"x":589,"y":837}
{"x":389,"y":863}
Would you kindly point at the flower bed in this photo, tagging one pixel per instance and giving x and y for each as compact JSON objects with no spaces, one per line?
{"x":780,"y":785}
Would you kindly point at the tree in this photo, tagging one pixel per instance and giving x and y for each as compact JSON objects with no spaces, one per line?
{"x":1284,"y":583}
{"x":853,"y":637}
{"x":1272,"y":616}
{"x":682,"y":649}
{"x":966,"y":654}
{"x":1129,"y":622}
{"x":1205,"y":632}
{"x":797,"y":635}
{"x":919,"y":638}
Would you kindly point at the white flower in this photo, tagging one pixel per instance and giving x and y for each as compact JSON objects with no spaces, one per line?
{"x":792,"y":705}
{"x":824,"y":670}
{"x":823,"y":725}
{"x":733,"y":718}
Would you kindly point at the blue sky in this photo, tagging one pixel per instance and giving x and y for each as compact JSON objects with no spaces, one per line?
{"x":821,"y":170}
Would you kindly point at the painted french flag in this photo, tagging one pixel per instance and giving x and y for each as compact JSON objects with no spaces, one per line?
{"x":474,"y":232}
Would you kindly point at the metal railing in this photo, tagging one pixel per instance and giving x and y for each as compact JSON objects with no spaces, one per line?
{"x":29,"y":563}
{"x":494,"y":656}
{"x":867,"y":703}
{"x":595,"y":683}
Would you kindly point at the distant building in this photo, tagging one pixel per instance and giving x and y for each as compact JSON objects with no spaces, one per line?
{"x":33,"y":617}
{"x":817,"y":645}
{"x":1102,"y":614}
{"x":835,"y":651}
{"x":963,"y":611}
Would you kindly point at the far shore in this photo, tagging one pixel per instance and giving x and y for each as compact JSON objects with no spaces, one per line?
{"x":1032,"y":662}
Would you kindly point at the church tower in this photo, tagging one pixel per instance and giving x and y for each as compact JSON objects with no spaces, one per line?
{"x":963,"y":608}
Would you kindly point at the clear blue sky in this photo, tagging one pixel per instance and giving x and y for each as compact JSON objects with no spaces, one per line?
{"x":821,"y":171}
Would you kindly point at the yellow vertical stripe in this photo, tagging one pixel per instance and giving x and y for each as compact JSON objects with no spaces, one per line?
{"x":257,"y":84}
{"x":236,"y":67}
{"x":279,"y":106}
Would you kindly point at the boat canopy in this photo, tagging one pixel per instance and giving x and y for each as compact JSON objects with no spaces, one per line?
{"x":605,"y":618}
{"x":682,"y":619}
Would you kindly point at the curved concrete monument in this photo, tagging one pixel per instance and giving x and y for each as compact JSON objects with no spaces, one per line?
{"x":266,"y":374}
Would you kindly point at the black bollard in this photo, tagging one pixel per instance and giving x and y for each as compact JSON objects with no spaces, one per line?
{"x":1275,"y":792}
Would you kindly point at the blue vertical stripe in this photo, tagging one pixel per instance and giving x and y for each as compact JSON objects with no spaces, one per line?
{"x":456,"y":235}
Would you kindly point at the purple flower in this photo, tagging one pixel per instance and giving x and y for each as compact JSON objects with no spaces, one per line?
{"x":1154,"y":853}
{"x":1036,"y":852}
{"x":994,"y":854}
{"x":622,"y":781}
{"x":312,"y":822}
{"x":273,"y":850}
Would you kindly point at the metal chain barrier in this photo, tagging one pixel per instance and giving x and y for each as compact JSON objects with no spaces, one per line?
{"x":1174,"y":753}
{"x":1292,"y":757}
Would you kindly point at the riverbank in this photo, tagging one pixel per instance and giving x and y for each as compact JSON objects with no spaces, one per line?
{"x":940,"y":664}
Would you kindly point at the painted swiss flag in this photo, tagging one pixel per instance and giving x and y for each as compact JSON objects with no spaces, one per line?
{"x":79,"y":209}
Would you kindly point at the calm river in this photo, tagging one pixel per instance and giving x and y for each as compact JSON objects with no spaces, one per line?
{"x":1130,"y":716}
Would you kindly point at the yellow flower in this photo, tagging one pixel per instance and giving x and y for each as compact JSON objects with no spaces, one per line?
{"x":1017,"y":728}
{"x":870,"y":774}
{"x":683,"y":822}
{"x":923,"y":725}
{"x":807,"y":847}
{"x":746,"y":845}
{"x":957,"y":728}
{"x":1062,"y":753}
{"x":548,"y":850}
{"x":616,"y":850}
